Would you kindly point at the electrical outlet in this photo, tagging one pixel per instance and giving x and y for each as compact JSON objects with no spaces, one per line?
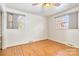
{"x":29,"y":42}
{"x":70,"y":45}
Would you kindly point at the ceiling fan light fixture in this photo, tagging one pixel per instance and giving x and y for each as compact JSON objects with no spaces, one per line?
{"x":48,"y":5}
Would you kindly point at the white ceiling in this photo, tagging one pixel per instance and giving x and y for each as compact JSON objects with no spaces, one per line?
{"x":28,"y":7}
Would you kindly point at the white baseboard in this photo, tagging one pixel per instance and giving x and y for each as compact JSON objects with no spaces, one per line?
{"x":66,"y":43}
{"x":20,"y":43}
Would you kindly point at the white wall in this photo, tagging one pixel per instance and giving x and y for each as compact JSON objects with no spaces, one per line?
{"x":0,"y":30}
{"x":35,"y":29}
{"x":57,"y":35}
{"x":70,"y":36}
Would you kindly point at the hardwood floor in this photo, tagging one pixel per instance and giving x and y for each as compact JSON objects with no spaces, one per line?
{"x":40,"y":48}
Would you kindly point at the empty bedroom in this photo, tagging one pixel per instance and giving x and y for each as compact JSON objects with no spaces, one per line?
{"x":39,"y":29}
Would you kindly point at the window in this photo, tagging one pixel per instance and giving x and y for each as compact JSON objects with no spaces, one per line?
{"x":62,"y":22}
{"x":11,"y":21}
{"x":15,"y":21}
{"x":69,"y":21}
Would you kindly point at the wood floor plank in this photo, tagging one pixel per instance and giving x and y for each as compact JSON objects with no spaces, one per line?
{"x":41,"y":48}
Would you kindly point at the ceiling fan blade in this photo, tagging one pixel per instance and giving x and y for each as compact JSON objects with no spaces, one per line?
{"x":35,"y":4}
{"x":57,"y":4}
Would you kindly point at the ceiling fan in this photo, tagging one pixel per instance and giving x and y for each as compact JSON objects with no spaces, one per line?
{"x":47,"y":5}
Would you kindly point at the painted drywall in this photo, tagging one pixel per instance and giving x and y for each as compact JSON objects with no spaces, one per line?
{"x":0,"y":30}
{"x":69,"y":36}
{"x":54,"y":33}
{"x":34,"y":30}
{"x":37,"y":28}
